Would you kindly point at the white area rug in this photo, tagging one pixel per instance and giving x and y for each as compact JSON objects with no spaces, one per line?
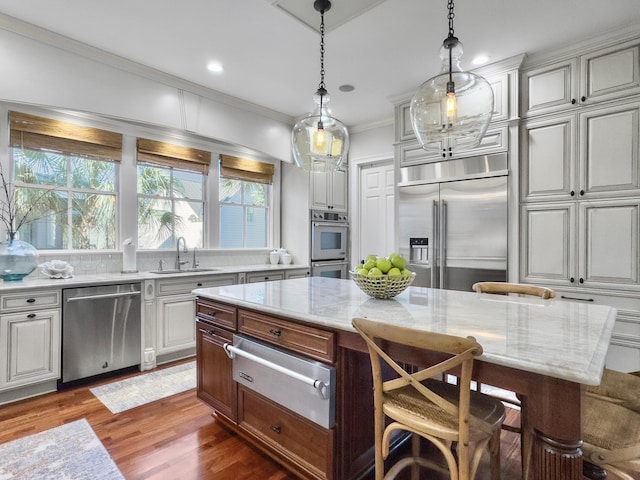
{"x":135,"y":391}
{"x":69,"y":452}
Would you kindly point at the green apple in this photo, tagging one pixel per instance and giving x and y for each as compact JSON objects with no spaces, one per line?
{"x":375,"y":272}
{"x":399,"y":262}
{"x":370,"y":263}
{"x":383,"y":264}
{"x":370,"y":257}
{"x":363,"y":271}
{"x":406,"y":272}
{"x":359,"y":266}
{"x":394,"y":272}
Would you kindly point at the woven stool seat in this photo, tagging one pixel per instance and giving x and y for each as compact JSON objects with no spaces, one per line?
{"x":611,"y":435}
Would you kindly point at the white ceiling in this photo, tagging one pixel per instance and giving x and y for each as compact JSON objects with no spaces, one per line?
{"x":385,"y":48}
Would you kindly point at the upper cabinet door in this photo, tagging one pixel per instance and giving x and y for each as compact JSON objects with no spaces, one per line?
{"x":550,"y":88}
{"x":548,"y":158}
{"x":610,"y":73}
{"x":609,"y":149}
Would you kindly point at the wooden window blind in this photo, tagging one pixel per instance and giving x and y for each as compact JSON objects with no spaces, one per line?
{"x":247,"y":170}
{"x":44,"y":134}
{"x":168,"y":154}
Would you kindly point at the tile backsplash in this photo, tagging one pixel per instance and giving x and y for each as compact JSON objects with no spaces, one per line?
{"x":88,"y":263}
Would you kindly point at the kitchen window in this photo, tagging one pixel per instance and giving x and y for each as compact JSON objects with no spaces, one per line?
{"x":171,"y":194}
{"x":65,"y":180}
{"x":244,"y":190}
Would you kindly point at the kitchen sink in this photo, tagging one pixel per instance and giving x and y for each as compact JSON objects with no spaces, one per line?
{"x":184,"y":270}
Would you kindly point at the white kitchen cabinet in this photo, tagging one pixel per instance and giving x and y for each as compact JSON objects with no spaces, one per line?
{"x":32,"y":342}
{"x":590,"y":154}
{"x":270,"y":276}
{"x":329,"y":191}
{"x":30,"y":333}
{"x":595,"y":76}
{"x":582,"y":243}
{"x":175,"y":312}
{"x":298,"y":273}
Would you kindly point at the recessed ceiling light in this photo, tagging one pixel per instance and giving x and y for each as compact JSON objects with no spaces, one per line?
{"x":346,"y":88}
{"x":480,"y":59}
{"x":215,"y":67}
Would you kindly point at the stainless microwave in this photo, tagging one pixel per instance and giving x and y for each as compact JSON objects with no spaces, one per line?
{"x":329,"y":240}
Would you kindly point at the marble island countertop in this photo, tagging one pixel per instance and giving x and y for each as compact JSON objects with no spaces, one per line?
{"x":33,"y":281}
{"x":557,"y":338}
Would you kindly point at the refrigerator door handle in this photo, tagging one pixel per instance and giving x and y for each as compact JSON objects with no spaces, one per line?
{"x":434,"y":245}
{"x":443,"y":241}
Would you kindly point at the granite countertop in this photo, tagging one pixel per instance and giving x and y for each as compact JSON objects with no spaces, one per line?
{"x":33,"y":281}
{"x":557,"y":338}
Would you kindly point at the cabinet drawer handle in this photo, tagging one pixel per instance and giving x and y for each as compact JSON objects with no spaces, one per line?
{"x":31,"y":300}
{"x":31,"y":315}
{"x":576,"y":298}
{"x":275,"y":332}
{"x":199,"y":284}
{"x":276,"y":428}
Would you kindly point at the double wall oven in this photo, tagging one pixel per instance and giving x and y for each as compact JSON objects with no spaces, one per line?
{"x":329,"y":244}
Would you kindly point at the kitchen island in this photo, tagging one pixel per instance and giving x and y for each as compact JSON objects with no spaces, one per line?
{"x":544,"y":350}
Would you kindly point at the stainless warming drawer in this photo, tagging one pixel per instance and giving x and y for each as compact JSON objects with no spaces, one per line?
{"x":303,"y":386}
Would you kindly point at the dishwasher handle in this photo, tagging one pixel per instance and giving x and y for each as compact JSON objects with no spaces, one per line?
{"x":104,"y":295}
{"x":319,"y":385}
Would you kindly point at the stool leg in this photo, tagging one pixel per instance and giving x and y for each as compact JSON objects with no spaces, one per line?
{"x":494,"y":455}
{"x":415,"y":453}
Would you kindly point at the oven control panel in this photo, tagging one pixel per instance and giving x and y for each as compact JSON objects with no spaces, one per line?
{"x":328,"y":216}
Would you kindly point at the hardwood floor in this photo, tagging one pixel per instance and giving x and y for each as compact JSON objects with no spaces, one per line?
{"x":175,"y":438}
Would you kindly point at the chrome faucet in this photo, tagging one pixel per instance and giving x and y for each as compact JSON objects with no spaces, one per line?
{"x":179,"y":262}
{"x":195,"y":262}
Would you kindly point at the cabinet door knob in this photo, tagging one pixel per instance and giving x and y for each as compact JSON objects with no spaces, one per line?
{"x":573,"y":101}
{"x":581,"y":280}
{"x":583,"y":98}
{"x":581,"y":192}
{"x":572,"y":280}
{"x":572,"y":193}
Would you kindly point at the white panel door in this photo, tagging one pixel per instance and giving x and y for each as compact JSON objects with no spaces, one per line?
{"x":548,"y":237}
{"x":31,"y":348}
{"x":609,"y":242}
{"x":549,"y":158}
{"x":609,"y":150}
{"x":377,"y":215}
{"x":176,"y":325}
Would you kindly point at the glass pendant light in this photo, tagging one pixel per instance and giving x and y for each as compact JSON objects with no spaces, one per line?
{"x":451,"y":111}
{"x":319,"y":141}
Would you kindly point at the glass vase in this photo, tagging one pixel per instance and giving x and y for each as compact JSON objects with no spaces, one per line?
{"x":17,"y":259}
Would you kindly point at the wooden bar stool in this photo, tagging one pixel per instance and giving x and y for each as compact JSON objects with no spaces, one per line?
{"x":451,"y":417}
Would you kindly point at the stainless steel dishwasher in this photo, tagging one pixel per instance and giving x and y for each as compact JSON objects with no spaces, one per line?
{"x":101,"y":330}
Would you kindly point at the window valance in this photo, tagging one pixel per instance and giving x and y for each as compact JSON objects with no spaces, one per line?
{"x":44,"y":134}
{"x":245,"y":169}
{"x":171,"y":155}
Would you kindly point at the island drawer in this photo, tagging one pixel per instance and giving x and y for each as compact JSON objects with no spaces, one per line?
{"x":12,"y":302}
{"x":217,"y":313}
{"x":309,"y":341}
{"x":303,"y":443}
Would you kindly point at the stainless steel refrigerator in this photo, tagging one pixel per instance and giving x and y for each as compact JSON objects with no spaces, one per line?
{"x":452,"y":221}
